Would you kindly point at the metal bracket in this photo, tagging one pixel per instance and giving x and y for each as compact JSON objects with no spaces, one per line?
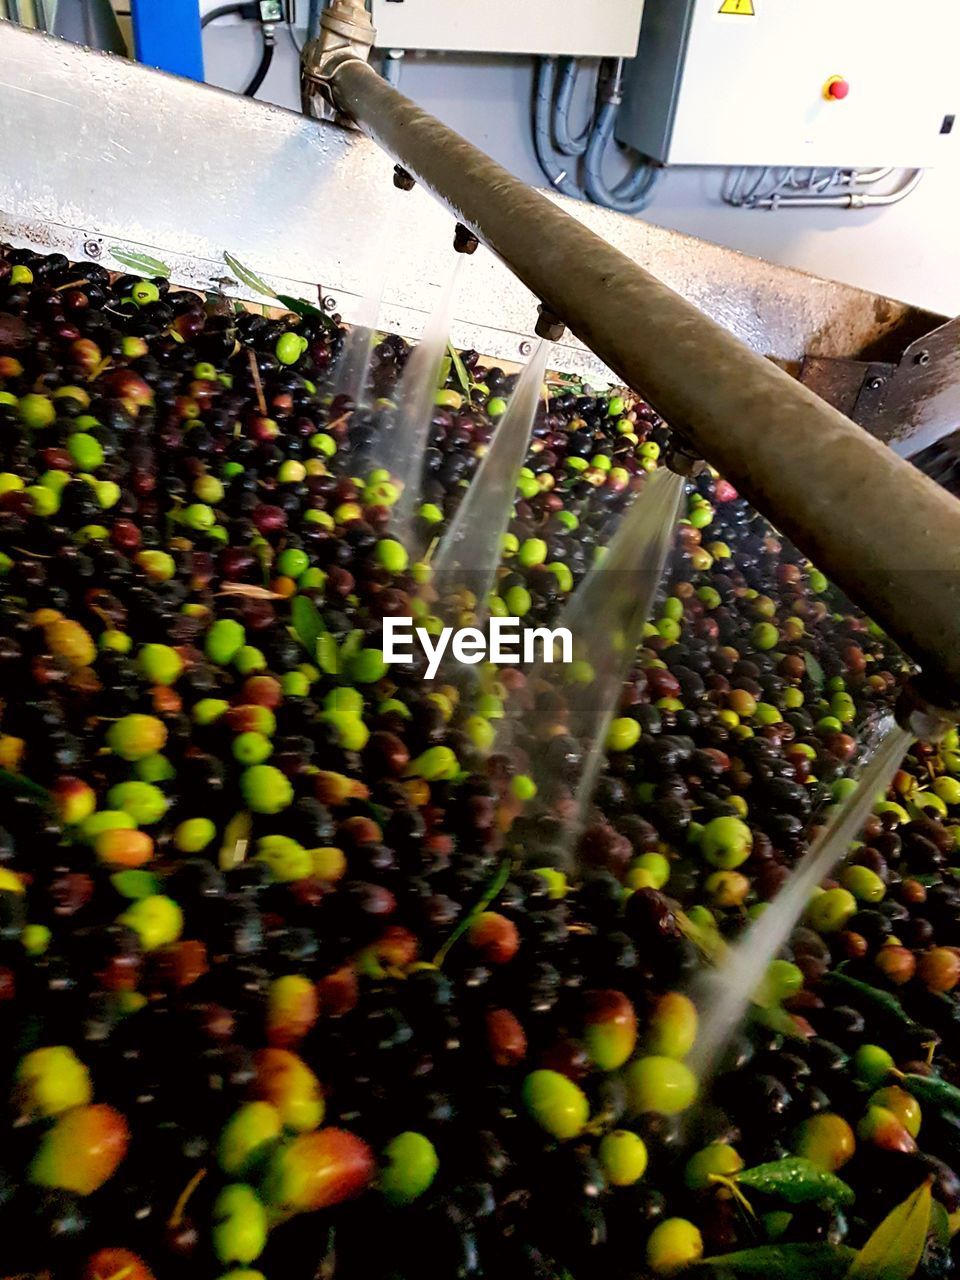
{"x":855,"y":387}
{"x":909,"y":404}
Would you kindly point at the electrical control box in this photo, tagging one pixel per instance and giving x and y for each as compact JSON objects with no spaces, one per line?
{"x":580,"y":28}
{"x":820,"y":83}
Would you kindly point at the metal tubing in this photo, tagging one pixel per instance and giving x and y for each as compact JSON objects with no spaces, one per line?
{"x":881,"y":530}
{"x":852,"y":199}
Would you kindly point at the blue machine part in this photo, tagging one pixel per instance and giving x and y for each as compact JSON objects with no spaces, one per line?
{"x":167,"y":35}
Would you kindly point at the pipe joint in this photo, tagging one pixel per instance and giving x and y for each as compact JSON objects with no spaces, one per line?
{"x":924,"y":711}
{"x":549,"y":326}
{"x":346,"y":34}
{"x":682,"y":459}
{"x":464,"y":240}
{"x":402,"y":180}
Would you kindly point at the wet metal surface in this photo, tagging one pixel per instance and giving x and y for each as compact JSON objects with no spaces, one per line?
{"x":114,"y":156}
{"x":128,"y":157}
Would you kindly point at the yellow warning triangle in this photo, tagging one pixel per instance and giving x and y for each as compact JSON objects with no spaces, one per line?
{"x":741,"y":8}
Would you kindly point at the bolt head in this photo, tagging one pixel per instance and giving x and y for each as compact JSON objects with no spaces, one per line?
{"x":92,"y":248}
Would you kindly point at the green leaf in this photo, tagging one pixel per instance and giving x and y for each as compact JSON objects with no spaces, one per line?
{"x":351,"y":646}
{"x":933,"y":1092}
{"x":491,"y":890}
{"x":141,"y":263}
{"x":306,"y":310}
{"x":777,"y":1262}
{"x":777,"y":1019}
{"x":795,"y":1180}
{"x":327,"y":657}
{"x":894,"y":1250}
{"x":939,"y":1230}
{"x":814,"y":670}
{"x":709,"y":942}
{"x":299,"y":306}
{"x":445,"y":366}
{"x":23,"y":786}
{"x":135,"y":884}
{"x":236,"y":838}
{"x":248,"y":277}
{"x":307,"y":623}
{"x":463,"y":377}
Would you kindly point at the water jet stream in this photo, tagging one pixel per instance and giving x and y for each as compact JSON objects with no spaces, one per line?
{"x":606,"y":617}
{"x":725,"y":994}
{"x":402,"y":448}
{"x":469,"y":554}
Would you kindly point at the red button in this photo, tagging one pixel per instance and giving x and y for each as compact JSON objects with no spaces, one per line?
{"x":836,"y":88}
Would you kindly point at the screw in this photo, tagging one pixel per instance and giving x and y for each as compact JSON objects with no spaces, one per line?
{"x":526,"y":348}
{"x":874,"y":384}
{"x":402,"y":180}
{"x":464,"y":241}
{"x":922,"y":358}
{"x":92,"y":248}
{"x":329,"y":304}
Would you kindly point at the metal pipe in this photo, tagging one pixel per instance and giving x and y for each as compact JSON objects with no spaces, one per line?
{"x":866,"y":177}
{"x":852,"y":200}
{"x":881,"y":530}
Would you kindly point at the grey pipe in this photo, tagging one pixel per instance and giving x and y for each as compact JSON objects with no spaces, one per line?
{"x":313,"y":18}
{"x":852,"y":199}
{"x":879,"y":528}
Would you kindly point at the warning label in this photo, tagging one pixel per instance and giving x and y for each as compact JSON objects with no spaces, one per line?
{"x":738,"y":9}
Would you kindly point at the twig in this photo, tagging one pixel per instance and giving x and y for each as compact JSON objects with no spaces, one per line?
{"x":258,"y":385}
{"x":176,"y":1218}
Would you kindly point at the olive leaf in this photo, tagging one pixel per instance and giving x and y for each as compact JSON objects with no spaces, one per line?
{"x":351,"y":646}
{"x":463,"y":377}
{"x":446,"y":366}
{"x":795,"y":1180}
{"x":24,"y":786}
{"x":492,"y":888}
{"x":326,"y":654}
{"x":894,"y":1250}
{"x":939,"y":1230}
{"x":708,"y":942}
{"x":248,"y":277}
{"x":141,"y":263}
{"x":783,"y":1261}
{"x":779,"y":1020}
{"x":307,"y":623}
{"x":932,"y":1091}
{"x":236,"y":838}
{"x":305,"y":310}
{"x":299,"y":306}
{"x":814,"y":670}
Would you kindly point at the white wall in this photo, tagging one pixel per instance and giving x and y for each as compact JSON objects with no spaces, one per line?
{"x":908,"y":251}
